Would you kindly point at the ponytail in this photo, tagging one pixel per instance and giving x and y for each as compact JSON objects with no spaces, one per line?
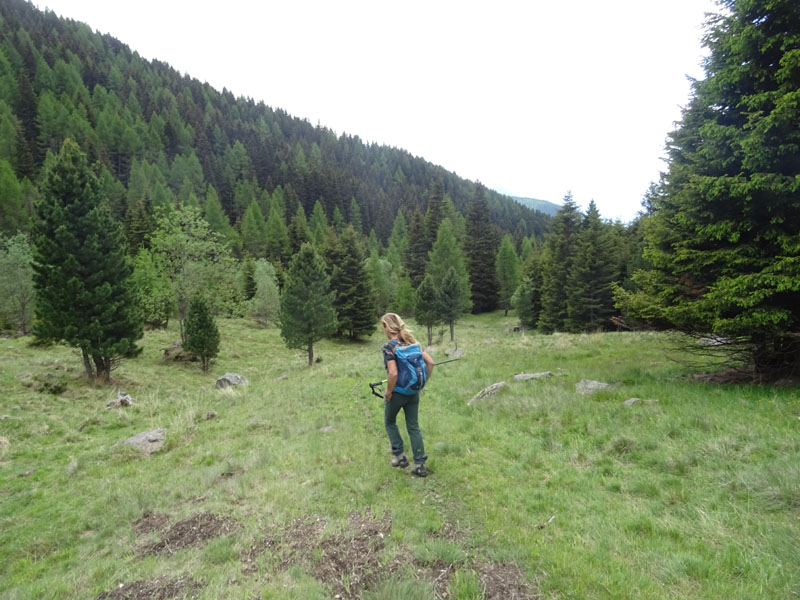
{"x":394,"y":324}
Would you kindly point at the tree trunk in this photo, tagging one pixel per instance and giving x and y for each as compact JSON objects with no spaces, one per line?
{"x":310,"y":353}
{"x":451,"y":330}
{"x":430,"y":335}
{"x":103,"y":365}
{"x":505,"y":314}
{"x":87,"y":364}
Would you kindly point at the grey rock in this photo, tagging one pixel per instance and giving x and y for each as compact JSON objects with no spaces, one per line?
{"x":588,"y":387}
{"x":148,"y":442}
{"x":631,"y":401}
{"x":492,"y":390}
{"x":255,"y":422}
{"x":211,"y":415}
{"x":527,"y":376}
{"x":122,"y":400}
{"x":282,"y":378}
{"x":230,"y":380}
{"x":327,"y":429}
{"x":454,"y":353}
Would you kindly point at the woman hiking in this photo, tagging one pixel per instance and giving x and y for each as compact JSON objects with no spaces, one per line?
{"x":400,"y":336}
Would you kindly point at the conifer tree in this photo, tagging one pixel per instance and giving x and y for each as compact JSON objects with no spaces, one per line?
{"x":507,"y":269}
{"x":426,"y":304}
{"x":307,"y":314}
{"x":417,"y":253}
{"x":318,"y":224}
{"x":299,"y":233}
{"x":481,"y":249}
{"x":85,"y":295}
{"x":559,"y":254}
{"x":398,"y":242}
{"x":355,"y":216}
{"x":527,"y":299}
{"x":723,"y":236}
{"x":248,"y":278}
{"x":435,"y":212}
{"x":588,"y":287}
{"x":254,"y":231}
{"x":17,"y":293}
{"x":138,"y":226}
{"x":202,"y":334}
{"x":278,"y":248}
{"x":405,"y":300}
{"x":383,"y":281}
{"x":338,"y":220}
{"x":354,"y":298}
{"x":452,"y":299}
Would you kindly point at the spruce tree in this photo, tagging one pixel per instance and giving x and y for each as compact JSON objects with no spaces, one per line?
{"x":307,"y":314}
{"x":299,"y":233}
{"x":202,"y":335}
{"x":559,"y":254}
{"x":278,"y":249}
{"x":527,"y":299}
{"x":265,"y":304}
{"x":85,"y":294}
{"x":254,"y":231}
{"x":481,"y":249}
{"x":452,"y":298}
{"x":426,"y":304}
{"x":588,"y":287}
{"x":398,"y":242}
{"x":448,"y":275}
{"x":507,"y":269}
{"x":417,"y":252}
{"x":723,"y":236}
{"x":435,"y":212}
{"x":354,"y":298}
{"x":318,"y":224}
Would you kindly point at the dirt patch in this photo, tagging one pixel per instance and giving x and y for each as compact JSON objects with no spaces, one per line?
{"x":149,"y":523}
{"x":193,"y":531}
{"x":161,"y":588}
{"x":348,"y":562}
{"x":503,"y":581}
{"x":439,"y":575}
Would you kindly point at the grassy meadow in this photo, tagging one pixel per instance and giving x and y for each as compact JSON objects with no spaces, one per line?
{"x":287,"y":491}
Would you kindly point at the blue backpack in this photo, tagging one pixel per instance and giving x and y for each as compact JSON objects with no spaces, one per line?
{"x":411,"y":371}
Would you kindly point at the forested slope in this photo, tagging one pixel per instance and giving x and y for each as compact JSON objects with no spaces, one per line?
{"x":161,"y":135}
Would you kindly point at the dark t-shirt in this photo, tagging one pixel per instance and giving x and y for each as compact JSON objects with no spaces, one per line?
{"x":388,"y":352}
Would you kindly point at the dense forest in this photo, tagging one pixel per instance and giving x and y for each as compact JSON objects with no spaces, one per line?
{"x":158,"y":134}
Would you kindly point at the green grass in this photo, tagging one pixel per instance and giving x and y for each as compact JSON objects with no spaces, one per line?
{"x":692,"y":493}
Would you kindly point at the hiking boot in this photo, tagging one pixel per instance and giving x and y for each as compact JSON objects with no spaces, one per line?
{"x":400,"y":461}
{"x":419,"y":470}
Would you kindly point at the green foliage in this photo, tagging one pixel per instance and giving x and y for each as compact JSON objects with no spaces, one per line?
{"x":17,"y":294}
{"x":196,"y":262}
{"x":426,"y":305}
{"x":405,"y":301}
{"x":507,"y":269}
{"x":265,"y":305}
{"x":448,"y":276}
{"x":556,"y":262}
{"x":84,"y":290}
{"x":416,"y":256}
{"x":354,"y":298}
{"x":154,"y":295}
{"x":318,"y":224}
{"x":527,"y":299}
{"x":723,"y":236}
{"x":588,"y":292}
{"x":299,"y":232}
{"x":13,"y":215}
{"x":254,"y":231}
{"x":202,"y":334}
{"x":480,"y":247}
{"x":383,"y":280}
{"x":307,"y":314}
{"x":278,"y":247}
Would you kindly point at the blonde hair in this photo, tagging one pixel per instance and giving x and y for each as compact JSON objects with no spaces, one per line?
{"x":394,"y":324}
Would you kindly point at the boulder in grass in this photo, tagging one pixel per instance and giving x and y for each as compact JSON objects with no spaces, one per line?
{"x":148,"y":442}
{"x":231,"y":380}
{"x":122,"y":400}
{"x":631,"y":401}
{"x":492,"y":390}
{"x":528,"y":376}
{"x":587,"y":387}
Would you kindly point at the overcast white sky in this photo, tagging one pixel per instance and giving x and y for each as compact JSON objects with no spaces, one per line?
{"x":532,"y":98}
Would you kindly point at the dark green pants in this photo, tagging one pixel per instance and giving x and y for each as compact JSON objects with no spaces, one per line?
{"x":410,"y":406}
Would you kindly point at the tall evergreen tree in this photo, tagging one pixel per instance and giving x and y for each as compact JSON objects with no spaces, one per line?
{"x":354,"y":298}
{"x":417,"y":253}
{"x":588,"y":288}
{"x":254,"y":231}
{"x":307,"y":313}
{"x":449,"y":277}
{"x":452,"y":299}
{"x":299,"y":233}
{"x":318,"y":224}
{"x":398,"y":242}
{"x":435,"y":212}
{"x":556,"y":262}
{"x":85,"y":294}
{"x":723,"y":237}
{"x":278,"y":248}
{"x":355,"y":216}
{"x":17,"y":293}
{"x":507,"y":270}
{"x":426,"y":303}
{"x":527,"y":299}
{"x":481,"y":249}
{"x":202,"y":334}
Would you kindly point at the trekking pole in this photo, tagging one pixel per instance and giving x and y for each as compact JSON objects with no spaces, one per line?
{"x":372,"y":386}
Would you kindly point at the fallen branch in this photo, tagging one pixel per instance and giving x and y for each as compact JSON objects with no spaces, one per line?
{"x":543,"y":525}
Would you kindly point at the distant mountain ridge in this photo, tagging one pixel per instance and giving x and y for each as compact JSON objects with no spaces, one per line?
{"x":543,"y":206}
